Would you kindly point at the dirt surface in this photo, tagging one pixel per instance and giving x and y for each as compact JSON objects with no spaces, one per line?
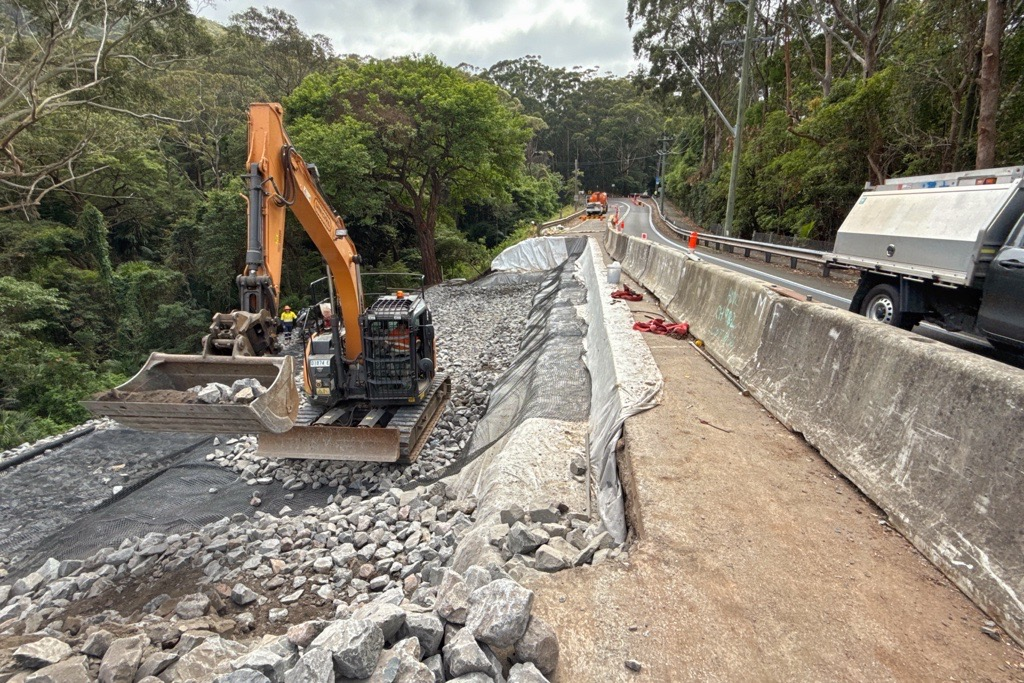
{"x":755,"y":560}
{"x":157,"y":396}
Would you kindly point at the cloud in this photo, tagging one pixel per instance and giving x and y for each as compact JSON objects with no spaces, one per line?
{"x":565,"y":33}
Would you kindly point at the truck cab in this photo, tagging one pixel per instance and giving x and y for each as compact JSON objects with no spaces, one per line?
{"x":944,"y":248}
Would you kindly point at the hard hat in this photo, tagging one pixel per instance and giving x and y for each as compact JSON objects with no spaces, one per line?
{"x":287,"y":308}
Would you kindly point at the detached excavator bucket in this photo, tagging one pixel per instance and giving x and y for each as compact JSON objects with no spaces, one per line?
{"x":155,"y":398}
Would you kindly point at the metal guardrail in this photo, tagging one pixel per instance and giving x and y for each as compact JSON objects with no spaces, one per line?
{"x":559,"y":221}
{"x":734,"y":245}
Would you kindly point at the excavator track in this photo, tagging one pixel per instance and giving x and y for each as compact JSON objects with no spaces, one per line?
{"x":400,"y":441}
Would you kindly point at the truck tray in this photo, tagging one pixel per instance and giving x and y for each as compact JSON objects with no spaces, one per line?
{"x":273,"y":412}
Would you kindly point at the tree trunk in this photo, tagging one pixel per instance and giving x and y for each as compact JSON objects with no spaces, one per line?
{"x":988,"y":84}
{"x":425,"y":238}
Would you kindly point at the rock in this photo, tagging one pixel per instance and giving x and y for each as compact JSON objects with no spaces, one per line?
{"x":463,"y":655}
{"x":538,"y":645}
{"x":214,"y":392}
{"x":301,"y":635}
{"x":211,"y":657}
{"x":521,"y":539}
{"x":43,"y":652}
{"x":316,"y":666}
{"x":73,"y":670}
{"x":192,"y":606}
{"x":97,"y":643}
{"x":156,"y":663}
{"x":5,"y":594}
{"x":277,"y":614}
{"x":389,"y":618}
{"x":355,"y":645}
{"x":603,"y":541}
{"x":292,"y":597}
{"x":268,"y":662}
{"x":452,"y":598}
{"x":525,"y":673}
{"x":512,"y":515}
{"x":475,"y":677}
{"x":121,"y":660}
{"x":436,"y":666}
{"x":549,"y":559}
{"x":499,"y":612}
{"x":26,"y":584}
{"x":50,"y":570}
{"x":242,"y":676}
{"x":428,"y":629}
{"x":543,"y":515}
{"x":633,"y":665}
{"x":242,"y":595}
{"x":578,"y":466}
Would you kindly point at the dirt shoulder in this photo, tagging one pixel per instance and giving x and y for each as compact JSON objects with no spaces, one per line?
{"x":756,"y":560}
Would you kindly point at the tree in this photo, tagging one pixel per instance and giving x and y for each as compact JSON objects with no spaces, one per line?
{"x":95,"y":230}
{"x":63,"y":56}
{"x":989,"y":84}
{"x":436,"y":137}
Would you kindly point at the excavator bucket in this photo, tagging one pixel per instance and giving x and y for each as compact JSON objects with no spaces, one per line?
{"x":155,"y":399}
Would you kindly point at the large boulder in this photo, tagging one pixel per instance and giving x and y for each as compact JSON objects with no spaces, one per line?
{"x":41,"y":653}
{"x":205,"y":661}
{"x":525,"y":673}
{"x":463,"y":655}
{"x":538,"y":645}
{"x":121,"y":660}
{"x":499,"y":612}
{"x":316,"y":666}
{"x":452,"y":598}
{"x":387,"y":616}
{"x":428,"y":629}
{"x":72,"y":670}
{"x":354,"y":644}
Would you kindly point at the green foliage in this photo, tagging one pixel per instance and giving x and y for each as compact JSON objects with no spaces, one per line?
{"x":91,"y":224}
{"x":435,"y":138}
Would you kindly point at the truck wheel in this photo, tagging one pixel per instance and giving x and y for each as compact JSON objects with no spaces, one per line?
{"x":883,"y":305}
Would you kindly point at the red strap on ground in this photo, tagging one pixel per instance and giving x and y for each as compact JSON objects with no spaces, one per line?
{"x":627,"y":294}
{"x":659,"y":326}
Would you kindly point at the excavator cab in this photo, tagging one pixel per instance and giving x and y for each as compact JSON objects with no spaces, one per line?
{"x":398,"y":344}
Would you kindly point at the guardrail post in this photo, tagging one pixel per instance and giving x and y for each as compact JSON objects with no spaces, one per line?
{"x":792,"y":262}
{"x":767,"y":257}
{"x":826,"y":270}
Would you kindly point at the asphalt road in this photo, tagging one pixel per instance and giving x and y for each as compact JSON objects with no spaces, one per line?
{"x":638,"y":222}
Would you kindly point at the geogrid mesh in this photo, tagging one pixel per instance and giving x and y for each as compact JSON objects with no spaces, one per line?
{"x":174,"y":499}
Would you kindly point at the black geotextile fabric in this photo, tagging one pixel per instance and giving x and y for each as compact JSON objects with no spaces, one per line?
{"x":174,"y":497}
{"x":547,"y":378}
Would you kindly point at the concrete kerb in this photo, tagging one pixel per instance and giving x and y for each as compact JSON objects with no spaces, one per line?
{"x":930,"y":433}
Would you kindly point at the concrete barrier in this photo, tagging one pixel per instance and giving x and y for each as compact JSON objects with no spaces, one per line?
{"x":930,"y":433}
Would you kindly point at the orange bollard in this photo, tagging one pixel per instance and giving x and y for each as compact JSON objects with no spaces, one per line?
{"x":693,"y":240}
{"x":643,"y":235}
{"x":622,"y":224}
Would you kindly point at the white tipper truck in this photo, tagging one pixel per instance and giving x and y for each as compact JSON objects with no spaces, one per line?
{"x":946,"y":248}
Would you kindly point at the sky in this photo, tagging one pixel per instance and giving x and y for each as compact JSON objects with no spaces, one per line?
{"x":564,"y":33}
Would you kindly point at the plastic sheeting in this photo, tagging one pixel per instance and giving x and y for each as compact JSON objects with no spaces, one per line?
{"x":580,"y":361}
{"x":537,"y":254}
{"x":624,"y":381}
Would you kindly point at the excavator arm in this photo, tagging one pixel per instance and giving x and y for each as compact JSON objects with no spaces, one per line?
{"x":278,"y":180}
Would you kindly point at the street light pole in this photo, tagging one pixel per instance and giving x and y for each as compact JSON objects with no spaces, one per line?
{"x":741,"y":110}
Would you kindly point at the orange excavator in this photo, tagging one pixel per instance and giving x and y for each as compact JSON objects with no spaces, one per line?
{"x":370,"y":388}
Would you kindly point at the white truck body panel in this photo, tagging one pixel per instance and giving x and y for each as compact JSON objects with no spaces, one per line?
{"x":946,"y":234}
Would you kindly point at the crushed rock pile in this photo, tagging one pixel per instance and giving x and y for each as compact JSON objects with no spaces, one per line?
{"x":480,"y":629}
{"x":479,"y":333}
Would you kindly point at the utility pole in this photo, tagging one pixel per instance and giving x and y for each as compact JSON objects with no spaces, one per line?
{"x":575,"y":181}
{"x":661,"y":177}
{"x":741,"y":109}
